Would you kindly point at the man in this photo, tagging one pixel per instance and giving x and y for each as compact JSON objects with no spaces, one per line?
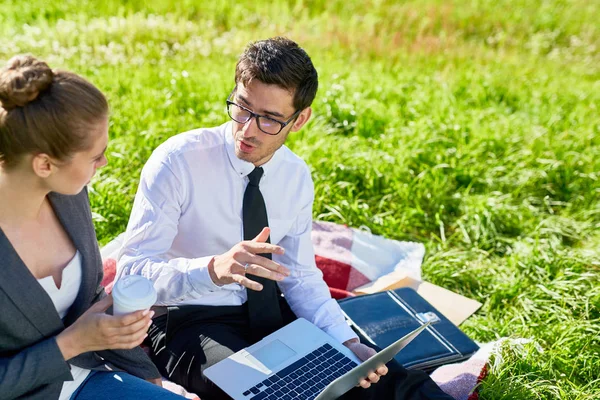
{"x":221,"y":223}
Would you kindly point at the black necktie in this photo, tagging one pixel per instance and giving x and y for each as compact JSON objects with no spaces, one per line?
{"x":263,"y":307}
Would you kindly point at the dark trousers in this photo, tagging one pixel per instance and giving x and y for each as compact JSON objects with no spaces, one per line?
{"x":189,"y":339}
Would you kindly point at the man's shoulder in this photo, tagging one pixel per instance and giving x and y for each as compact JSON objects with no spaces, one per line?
{"x":177,"y":152}
{"x":292,"y":160}
{"x":294,"y":173}
{"x":201,"y":139}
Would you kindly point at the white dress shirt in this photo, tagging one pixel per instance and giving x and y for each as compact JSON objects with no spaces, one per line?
{"x":188,"y":208}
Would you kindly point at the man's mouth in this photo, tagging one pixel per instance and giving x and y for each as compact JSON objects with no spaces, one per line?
{"x":246,"y":147}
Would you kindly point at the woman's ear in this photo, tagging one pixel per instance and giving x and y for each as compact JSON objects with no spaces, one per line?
{"x":42,"y":165}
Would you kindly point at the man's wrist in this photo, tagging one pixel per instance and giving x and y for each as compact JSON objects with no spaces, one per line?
{"x":211,"y":271}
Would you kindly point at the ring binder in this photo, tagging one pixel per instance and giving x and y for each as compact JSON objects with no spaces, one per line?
{"x":384,"y":317}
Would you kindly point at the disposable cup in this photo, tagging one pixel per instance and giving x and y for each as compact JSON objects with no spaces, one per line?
{"x":132,"y":293}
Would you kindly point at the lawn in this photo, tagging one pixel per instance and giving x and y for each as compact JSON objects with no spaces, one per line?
{"x":473,"y":127}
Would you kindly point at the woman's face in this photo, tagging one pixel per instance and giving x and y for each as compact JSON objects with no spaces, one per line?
{"x":73,"y":175}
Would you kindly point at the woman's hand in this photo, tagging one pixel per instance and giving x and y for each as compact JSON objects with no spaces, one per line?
{"x":95,"y":330}
{"x":156,"y":381}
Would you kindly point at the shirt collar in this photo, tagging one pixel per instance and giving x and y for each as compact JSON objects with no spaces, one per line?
{"x":243,"y":168}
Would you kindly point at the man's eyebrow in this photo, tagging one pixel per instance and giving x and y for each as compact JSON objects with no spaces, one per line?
{"x":245,"y":100}
{"x":273,"y":113}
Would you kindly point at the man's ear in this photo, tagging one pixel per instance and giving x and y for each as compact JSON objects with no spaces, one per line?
{"x":302,"y":119}
{"x":42,"y":165}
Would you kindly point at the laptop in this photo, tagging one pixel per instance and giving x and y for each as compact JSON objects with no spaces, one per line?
{"x":299,"y":361}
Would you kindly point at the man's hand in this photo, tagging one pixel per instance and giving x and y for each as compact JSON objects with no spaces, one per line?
{"x":94,"y":330}
{"x":364,"y":353}
{"x":243,"y":259}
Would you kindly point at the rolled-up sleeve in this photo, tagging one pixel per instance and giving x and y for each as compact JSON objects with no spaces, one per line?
{"x":305,"y":290}
{"x":153,"y":226}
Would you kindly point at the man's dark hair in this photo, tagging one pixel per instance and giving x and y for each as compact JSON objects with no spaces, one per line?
{"x":279,"y":61}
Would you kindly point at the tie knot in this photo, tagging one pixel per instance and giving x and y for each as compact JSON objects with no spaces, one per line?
{"x":255,"y":176}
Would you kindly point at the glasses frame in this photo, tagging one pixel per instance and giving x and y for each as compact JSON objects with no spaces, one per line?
{"x":258,"y":116}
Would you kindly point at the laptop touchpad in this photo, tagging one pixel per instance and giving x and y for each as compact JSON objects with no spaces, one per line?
{"x":272,"y":354}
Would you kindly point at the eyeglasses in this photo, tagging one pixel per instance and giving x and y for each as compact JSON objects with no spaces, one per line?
{"x":270,"y":126}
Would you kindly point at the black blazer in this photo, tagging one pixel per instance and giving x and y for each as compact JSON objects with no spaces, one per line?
{"x":31,"y":364}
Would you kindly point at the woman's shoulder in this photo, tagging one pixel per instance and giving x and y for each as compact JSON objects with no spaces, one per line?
{"x":80,"y":199}
{"x":72,"y":209}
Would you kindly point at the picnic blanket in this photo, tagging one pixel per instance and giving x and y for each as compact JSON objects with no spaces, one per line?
{"x":350,"y":258}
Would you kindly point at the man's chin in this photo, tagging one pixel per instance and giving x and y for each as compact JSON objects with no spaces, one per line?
{"x":244,"y":156}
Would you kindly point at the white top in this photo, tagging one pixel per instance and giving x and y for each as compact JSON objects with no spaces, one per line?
{"x":188,"y":208}
{"x":63,"y":298}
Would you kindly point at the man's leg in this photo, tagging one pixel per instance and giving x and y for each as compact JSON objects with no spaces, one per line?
{"x":192,"y":338}
{"x":400,"y":384}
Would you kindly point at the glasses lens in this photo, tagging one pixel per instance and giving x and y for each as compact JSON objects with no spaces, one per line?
{"x":238,"y":114}
{"x":269,"y":126}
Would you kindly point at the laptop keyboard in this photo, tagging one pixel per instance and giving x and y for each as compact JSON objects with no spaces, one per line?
{"x":305,"y":378}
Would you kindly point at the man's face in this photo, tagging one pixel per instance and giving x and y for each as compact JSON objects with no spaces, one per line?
{"x":252,"y":144}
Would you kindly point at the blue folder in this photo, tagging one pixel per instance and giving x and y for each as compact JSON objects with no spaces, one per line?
{"x":384,"y":317}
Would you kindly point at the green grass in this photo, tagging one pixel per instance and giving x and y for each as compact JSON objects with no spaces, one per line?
{"x":473,"y":127}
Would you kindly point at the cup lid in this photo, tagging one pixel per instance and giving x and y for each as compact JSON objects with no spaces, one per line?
{"x":135,"y":292}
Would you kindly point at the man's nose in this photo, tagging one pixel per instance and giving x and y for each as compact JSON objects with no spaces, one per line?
{"x":250,"y":128}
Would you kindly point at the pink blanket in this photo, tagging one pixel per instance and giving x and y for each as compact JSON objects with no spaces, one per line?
{"x":348,"y":259}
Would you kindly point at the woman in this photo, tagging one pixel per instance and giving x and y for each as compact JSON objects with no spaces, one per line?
{"x":56,"y":341}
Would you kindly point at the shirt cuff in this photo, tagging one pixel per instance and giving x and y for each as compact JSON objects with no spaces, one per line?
{"x":199,"y":276}
{"x":341,"y":332}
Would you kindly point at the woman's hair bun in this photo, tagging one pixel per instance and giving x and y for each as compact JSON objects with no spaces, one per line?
{"x":22,"y":80}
